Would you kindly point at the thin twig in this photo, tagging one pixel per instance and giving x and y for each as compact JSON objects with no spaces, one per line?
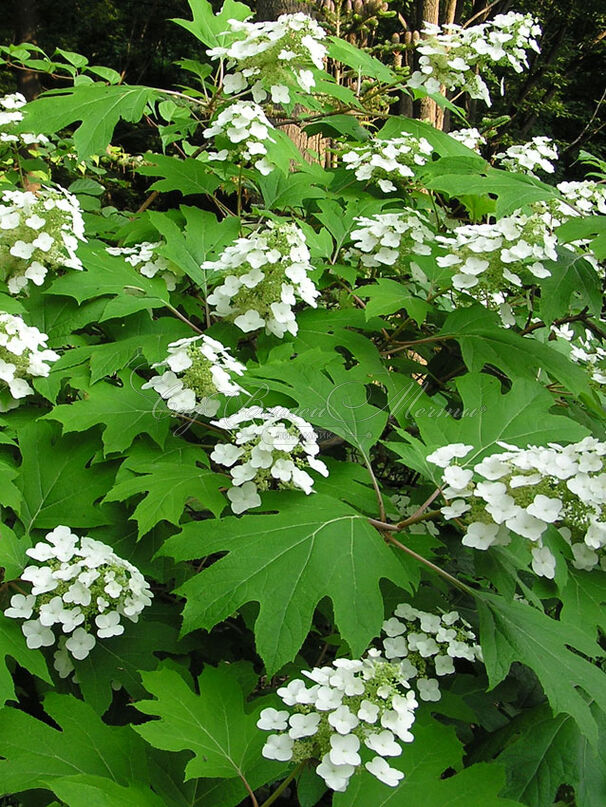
{"x":414,"y":517}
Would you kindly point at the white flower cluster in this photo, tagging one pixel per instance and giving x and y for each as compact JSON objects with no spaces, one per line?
{"x":38,"y":233}
{"x":83,"y":588}
{"x":270,"y":57}
{"x":356,"y":712}
{"x":200,"y":370}
{"x":486,"y":255}
{"x":11,"y":104}
{"x":584,"y":350}
{"x":246,"y":128}
{"x":10,"y":115}
{"x":389,"y":163}
{"x":528,"y":157}
{"x":425,"y":646}
{"x":452,"y":55}
{"x":587,"y":197}
{"x":469,"y":137}
{"x":23,"y":355}
{"x":386,"y":238}
{"x":270,"y":447}
{"x":262,"y":276}
{"x":144,"y":257}
{"x":525,"y":490}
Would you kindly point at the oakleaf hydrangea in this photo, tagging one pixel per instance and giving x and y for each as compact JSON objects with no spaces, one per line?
{"x":270,"y":448}
{"x":38,"y":233}
{"x":271,"y":57}
{"x":389,"y":163}
{"x":145,"y":258}
{"x":199,"y":371}
{"x":23,"y":355}
{"x":489,"y":257}
{"x":356,"y":713}
{"x":453,"y":57}
{"x":262,"y":276}
{"x":387,"y":239}
{"x":9,"y":116}
{"x":587,"y":197}
{"x":80,"y":592}
{"x":528,"y":157}
{"x":243,"y":130}
{"x":426,"y":645}
{"x":11,"y":104}
{"x":585,"y":350}
{"x":469,"y":137}
{"x":524,"y":491}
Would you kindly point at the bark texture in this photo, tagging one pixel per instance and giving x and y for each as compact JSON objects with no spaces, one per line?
{"x":26,"y":28}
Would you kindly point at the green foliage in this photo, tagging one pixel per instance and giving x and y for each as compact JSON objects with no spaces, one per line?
{"x":285,"y":562}
{"x":99,"y":107}
{"x":375,"y":365}
{"x":214,"y":725}
{"x":549,"y":752}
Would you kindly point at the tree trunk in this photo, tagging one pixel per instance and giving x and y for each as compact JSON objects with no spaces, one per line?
{"x":430,"y":12}
{"x":26,"y":29}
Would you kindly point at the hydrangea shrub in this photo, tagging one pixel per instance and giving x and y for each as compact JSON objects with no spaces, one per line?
{"x":302,"y":467}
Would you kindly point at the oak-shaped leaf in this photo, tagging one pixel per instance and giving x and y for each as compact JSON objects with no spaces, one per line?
{"x":522,"y":417}
{"x":312,"y":548}
{"x":328,"y":396}
{"x":35,"y":754}
{"x":99,"y":791}
{"x":56,"y":481}
{"x":99,"y":107}
{"x":215,"y":725}
{"x":120,"y":660}
{"x":168,"y":486}
{"x":549,"y":752}
{"x":12,"y":645}
{"x":484,"y":342}
{"x":123,"y":411}
{"x":515,"y":631}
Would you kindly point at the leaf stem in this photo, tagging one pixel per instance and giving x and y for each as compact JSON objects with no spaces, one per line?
{"x":182,"y":317}
{"x":376,"y":487}
{"x":249,"y":790}
{"x":284,"y":784}
{"x":442,"y":572}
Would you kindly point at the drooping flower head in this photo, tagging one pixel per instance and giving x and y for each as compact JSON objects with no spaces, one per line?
{"x":200,"y":371}
{"x":79,"y":593}
{"x":270,"y":448}
{"x":243,"y":130}
{"x":528,"y":157}
{"x":145,"y":258}
{"x":453,"y":56}
{"x":39,"y":232}
{"x":272,"y":57}
{"x":426,"y":646}
{"x":356,"y":713}
{"x":525,"y":491}
{"x":23,"y":355}
{"x":262,"y":276}
{"x":389,"y":239}
{"x":391,"y":164}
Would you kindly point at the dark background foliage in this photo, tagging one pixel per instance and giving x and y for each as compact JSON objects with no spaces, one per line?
{"x":562,"y":96}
